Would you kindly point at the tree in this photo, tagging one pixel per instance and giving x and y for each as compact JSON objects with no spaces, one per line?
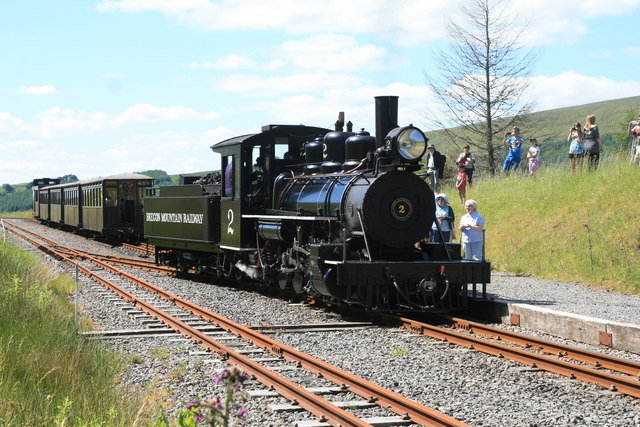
{"x":7,"y":188}
{"x":482,"y":80}
{"x":68,"y":178}
{"x":620,"y":134}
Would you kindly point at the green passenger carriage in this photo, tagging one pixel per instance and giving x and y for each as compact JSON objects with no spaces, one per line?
{"x":109,"y":206}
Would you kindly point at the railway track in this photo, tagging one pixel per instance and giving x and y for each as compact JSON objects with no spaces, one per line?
{"x":172,"y":311}
{"x":615,"y":374}
{"x":571,"y":362}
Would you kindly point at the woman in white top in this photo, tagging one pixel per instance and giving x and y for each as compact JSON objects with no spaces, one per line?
{"x":472,"y":228}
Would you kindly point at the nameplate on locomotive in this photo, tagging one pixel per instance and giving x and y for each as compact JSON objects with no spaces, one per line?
{"x":180,"y":218}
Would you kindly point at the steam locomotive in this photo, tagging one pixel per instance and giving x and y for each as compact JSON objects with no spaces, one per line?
{"x":335,"y":214}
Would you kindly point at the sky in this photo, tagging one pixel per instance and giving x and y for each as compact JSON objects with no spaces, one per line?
{"x":101,"y":87}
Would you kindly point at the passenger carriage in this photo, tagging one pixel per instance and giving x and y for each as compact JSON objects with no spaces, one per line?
{"x":109,"y":206}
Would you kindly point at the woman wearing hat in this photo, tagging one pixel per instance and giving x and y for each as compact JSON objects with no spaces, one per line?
{"x":445,"y":218}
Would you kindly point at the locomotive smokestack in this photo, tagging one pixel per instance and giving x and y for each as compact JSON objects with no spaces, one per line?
{"x":339,"y":124}
{"x":386,"y":117}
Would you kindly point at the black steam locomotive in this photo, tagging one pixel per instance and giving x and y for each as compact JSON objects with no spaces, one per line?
{"x":334,"y":214}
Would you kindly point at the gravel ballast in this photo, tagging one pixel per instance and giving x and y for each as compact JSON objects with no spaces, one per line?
{"x":477,"y":389}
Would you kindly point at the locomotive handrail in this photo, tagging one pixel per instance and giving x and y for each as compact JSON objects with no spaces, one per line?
{"x":364,"y":235}
{"x":444,"y":244}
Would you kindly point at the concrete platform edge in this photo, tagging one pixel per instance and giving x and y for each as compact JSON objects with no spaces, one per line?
{"x":577,"y":327}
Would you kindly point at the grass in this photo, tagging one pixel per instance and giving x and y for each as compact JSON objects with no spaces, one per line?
{"x":48,"y":374}
{"x":579,"y":227}
{"x":17,"y":214}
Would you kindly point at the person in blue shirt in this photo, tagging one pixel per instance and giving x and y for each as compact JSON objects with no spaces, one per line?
{"x":513,"y":141}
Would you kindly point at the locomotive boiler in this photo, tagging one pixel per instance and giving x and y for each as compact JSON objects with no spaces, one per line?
{"x":336,"y":214}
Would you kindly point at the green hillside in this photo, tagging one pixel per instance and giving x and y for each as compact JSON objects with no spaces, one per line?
{"x":551,"y":127}
{"x":562,"y":226}
{"x":18,"y":197}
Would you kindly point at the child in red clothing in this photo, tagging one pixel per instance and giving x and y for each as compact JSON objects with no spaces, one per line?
{"x":461,"y":184}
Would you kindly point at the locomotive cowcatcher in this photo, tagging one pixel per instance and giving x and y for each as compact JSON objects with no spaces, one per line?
{"x":335,"y":214}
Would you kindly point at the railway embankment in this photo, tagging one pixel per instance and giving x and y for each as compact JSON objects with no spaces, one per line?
{"x":48,"y":374}
{"x":563,"y":226}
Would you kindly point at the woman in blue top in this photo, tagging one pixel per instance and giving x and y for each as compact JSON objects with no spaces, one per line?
{"x":445,"y":217}
{"x":513,"y":141}
{"x":472,"y":228}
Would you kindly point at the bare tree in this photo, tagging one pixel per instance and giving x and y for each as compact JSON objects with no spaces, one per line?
{"x":482,"y":78}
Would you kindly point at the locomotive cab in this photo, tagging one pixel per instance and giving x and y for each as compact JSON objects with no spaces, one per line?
{"x":251,"y":164}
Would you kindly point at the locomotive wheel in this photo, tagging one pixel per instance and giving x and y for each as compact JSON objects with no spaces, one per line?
{"x":299,"y":280}
{"x":284,"y":282}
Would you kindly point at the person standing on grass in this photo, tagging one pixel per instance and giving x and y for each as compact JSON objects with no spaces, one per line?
{"x":435,"y":167}
{"x":534,"y":156}
{"x":634,"y":130}
{"x":472,"y":227}
{"x":513,"y":141}
{"x":461,"y":184}
{"x":592,"y":141}
{"x":576,"y":146}
{"x":467,"y":159}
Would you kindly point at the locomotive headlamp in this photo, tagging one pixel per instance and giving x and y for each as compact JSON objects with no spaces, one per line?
{"x":408,"y":142}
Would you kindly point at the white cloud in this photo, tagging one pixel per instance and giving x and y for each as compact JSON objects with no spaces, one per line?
{"x":326,"y":52}
{"x":37,"y":90}
{"x":632,"y":49}
{"x":357,"y":103}
{"x":175,"y":152}
{"x":228,"y":62}
{"x":258,"y":86}
{"x":334,"y":52}
{"x":147,"y":112}
{"x":22,"y":144}
{"x":58,"y":121}
{"x":601,"y":55}
{"x":10,"y":125}
{"x":406,"y":22}
{"x":571,"y":88}
{"x":566,"y":21}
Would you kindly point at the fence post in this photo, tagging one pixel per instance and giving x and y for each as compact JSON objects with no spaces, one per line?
{"x":76,"y":300}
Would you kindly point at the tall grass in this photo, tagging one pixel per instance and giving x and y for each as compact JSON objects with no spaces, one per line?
{"x":17,"y":214}
{"x":573,"y":227}
{"x":48,"y":374}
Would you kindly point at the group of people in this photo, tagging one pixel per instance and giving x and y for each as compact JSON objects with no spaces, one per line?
{"x":584,"y":143}
{"x":472,"y":227}
{"x":513,"y":141}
